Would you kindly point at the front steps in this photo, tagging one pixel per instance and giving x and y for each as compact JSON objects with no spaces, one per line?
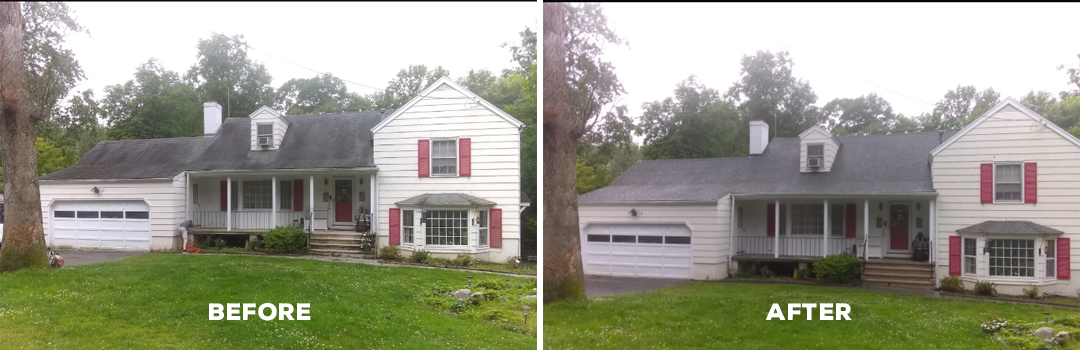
{"x":898,"y":274}
{"x":338,"y":244}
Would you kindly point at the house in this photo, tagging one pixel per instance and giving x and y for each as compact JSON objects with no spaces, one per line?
{"x":997,"y":201}
{"x":441,"y":173}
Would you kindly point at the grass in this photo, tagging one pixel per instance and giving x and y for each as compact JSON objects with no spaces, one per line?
{"x":161,"y":301}
{"x":732,"y":316}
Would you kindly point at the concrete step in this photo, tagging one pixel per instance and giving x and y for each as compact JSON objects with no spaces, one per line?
{"x":885,"y":270}
{"x":896,"y":262}
{"x":905,"y":286}
{"x":900,"y":279}
{"x":348,"y":253}
{"x":337,"y":246}
{"x":335,"y":240}
{"x":898,"y":274}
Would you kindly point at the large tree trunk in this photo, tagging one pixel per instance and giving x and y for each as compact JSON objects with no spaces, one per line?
{"x":24,"y":239}
{"x":563,"y":277}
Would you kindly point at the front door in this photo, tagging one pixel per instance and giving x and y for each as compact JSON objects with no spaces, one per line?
{"x":343,"y":200}
{"x":898,"y":221}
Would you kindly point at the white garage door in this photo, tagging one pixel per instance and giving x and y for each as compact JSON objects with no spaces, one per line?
{"x":638,"y":250}
{"x":101,"y":224}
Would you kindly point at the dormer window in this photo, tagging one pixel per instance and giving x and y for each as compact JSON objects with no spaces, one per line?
{"x":815,"y":156}
{"x":265,"y":135}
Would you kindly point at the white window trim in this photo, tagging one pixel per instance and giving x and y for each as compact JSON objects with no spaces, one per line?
{"x":822,"y":156}
{"x":478,"y":228}
{"x":740,"y":217}
{"x":1048,"y":266}
{"x":963,"y":257}
{"x":282,"y":191}
{"x":243,"y":198}
{"x":195,"y":194}
{"x":1035,"y":261}
{"x":468,"y":229}
{"x":843,"y":219}
{"x":411,"y":225}
{"x":457,"y":157}
{"x":258,"y":135}
{"x":1022,"y":182}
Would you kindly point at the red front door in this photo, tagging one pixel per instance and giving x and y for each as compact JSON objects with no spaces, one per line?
{"x":343,"y":200}
{"x":898,"y":223}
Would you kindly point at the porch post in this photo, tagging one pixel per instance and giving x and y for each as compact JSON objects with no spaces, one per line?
{"x":866,"y":228}
{"x":776,"y":237}
{"x":732,"y":225}
{"x":825,"y":241}
{"x":932,"y":232}
{"x":273,"y":202}
{"x":187,"y":196}
{"x":228,"y":206}
{"x":311,"y":206}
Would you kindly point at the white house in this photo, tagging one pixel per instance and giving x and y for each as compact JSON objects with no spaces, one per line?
{"x":442,"y":172}
{"x":997,"y":201}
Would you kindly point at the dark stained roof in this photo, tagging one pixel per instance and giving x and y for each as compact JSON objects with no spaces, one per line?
{"x":1009,"y":228}
{"x":446,"y":199}
{"x":873,"y":164}
{"x":322,"y":141}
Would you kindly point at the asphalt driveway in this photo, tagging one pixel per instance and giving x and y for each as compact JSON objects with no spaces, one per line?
{"x":79,"y":257}
{"x":599,"y":286}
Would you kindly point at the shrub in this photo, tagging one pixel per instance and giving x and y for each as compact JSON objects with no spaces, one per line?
{"x":286,"y":239}
{"x":838,"y":268}
{"x":803,"y":273}
{"x":220,"y":242}
{"x":463,"y":260}
{"x":420,"y":257}
{"x":513,"y":261}
{"x":985,"y":288}
{"x":390,"y":252}
{"x":1032,"y":293}
{"x":952,"y":284}
{"x":766,"y":272}
{"x":1070,"y":321}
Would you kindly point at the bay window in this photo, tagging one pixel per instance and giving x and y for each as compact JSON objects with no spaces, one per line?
{"x":407,"y":227}
{"x":483,"y":218}
{"x":1051,"y":258}
{"x":970,"y":258}
{"x":1012,"y":257}
{"x":447,"y":227}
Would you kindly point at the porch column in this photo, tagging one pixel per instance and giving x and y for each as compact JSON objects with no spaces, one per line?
{"x":866,"y":228}
{"x":825,"y":241}
{"x":273,"y":202}
{"x":776,"y":237}
{"x":732,"y":225}
{"x":187,"y":196}
{"x":932,"y":232}
{"x":228,"y":206}
{"x":311,"y":205}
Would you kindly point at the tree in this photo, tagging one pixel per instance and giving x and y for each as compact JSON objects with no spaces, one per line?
{"x":1040,"y":101}
{"x":959,"y":107}
{"x":52,"y":70}
{"x":768,"y":91}
{"x":1074,"y":78}
{"x":593,"y":83}
{"x":591,"y":177}
{"x":320,"y":94}
{"x":226,"y":75}
{"x":408,"y":83}
{"x":24,"y":238}
{"x":863,"y":115}
{"x":563,"y":275}
{"x":156,"y":104}
{"x":697,"y":123}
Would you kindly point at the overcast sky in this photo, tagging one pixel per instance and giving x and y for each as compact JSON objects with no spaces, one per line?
{"x":910,"y":54}
{"x":367,"y":43}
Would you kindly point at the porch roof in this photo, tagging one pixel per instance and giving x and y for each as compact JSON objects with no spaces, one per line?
{"x":446,"y":199}
{"x":1009,"y":228}
{"x":864,"y":165}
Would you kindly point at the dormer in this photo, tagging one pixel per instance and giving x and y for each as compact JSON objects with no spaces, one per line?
{"x":817,"y":151}
{"x":268,"y":129}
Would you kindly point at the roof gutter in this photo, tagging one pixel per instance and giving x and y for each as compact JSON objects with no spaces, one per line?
{"x":832,"y":195}
{"x":280,"y":171}
{"x":713,"y":202}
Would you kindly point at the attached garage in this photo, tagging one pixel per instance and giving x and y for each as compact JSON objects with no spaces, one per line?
{"x":637,"y":250}
{"x":104,"y":224}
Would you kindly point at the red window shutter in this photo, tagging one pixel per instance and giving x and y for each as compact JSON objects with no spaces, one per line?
{"x":986,"y":179}
{"x":495,"y":221}
{"x":849,"y":221}
{"x":1063,"y":258}
{"x":770,"y":227}
{"x":464,"y":157}
{"x":1031,"y":187}
{"x":424,"y":160}
{"x":224,"y":196}
{"x":954,"y":255}
{"x":298,"y":195}
{"x":395,"y":226}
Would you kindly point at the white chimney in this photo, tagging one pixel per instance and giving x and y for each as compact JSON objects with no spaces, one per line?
{"x":759,"y":137}
{"x":211,"y":117}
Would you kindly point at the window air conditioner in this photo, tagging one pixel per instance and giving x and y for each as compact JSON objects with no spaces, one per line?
{"x":264,"y":141}
{"x":813,"y":162}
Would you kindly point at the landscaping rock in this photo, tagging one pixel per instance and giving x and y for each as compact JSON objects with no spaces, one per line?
{"x":1044,"y":333}
{"x":477,"y":297}
{"x":528,"y":298}
{"x":1062,"y":337}
{"x":462,"y":294}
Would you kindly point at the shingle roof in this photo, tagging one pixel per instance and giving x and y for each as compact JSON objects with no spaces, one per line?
{"x":341,"y":140}
{"x":873,"y":164}
{"x":446,"y":199}
{"x":1009,"y":228}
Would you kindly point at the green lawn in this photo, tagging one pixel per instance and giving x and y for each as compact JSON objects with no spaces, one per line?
{"x":161,"y":301}
{"x":732,"y":316}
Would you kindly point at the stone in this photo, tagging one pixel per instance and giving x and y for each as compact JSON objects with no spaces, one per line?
{"x":528,"y":298}
{"x":462,"y":294}
{"x":1062,"y":337}
{"x":477,"y":297}
{"x":1044,"y":333}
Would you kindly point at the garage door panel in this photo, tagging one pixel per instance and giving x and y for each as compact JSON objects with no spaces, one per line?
{"x":645,"y":251}
{"x":99,"y":224}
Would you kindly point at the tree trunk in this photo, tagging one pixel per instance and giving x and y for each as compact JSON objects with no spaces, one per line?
{"x":563,"y":277}
{"x":24,"y":239}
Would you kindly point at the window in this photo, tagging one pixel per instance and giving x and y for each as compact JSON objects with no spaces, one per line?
{"x":266,"y":132}
{"x":676,"y":240}
{"x":137,"y":214}
{"x":64,"y":214}
{"x":235,"y":193}
{"x":444,"y":157}
{"x":483,"y":227}
{"x":807,"y":219}
{"x":407,"y":227}
{"x":447,"y":227}
{"x":740,"y":216}
{"x":194,"y":193}
{"x":1051,"y":259}
{"x":970,"y":260}
{"x":623,"y":239}
{"x":285,"y":200}
{"x":86,"y":214}
{"x":1008,"y":183}
{"x":112,"y":215}
{"x":257,"y":194}
{"x":1012,"y":257}
{"x":836,"y":224}
{"x":598,"y":238}
{"x":783,"y":219}
{"x":815,"y":152}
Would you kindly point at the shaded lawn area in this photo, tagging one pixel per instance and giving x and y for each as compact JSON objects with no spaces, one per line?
{"x":732,"y":316}
{"x":161,"y":301}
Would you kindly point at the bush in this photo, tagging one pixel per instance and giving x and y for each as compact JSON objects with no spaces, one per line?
{"x":463,"y":260}
{"x":513,"y":261}
{"x":803,"y":273}
{"x":838,"y":268}
{"x":952,"y":284}
{"x":766,"y":272}
{"x":286,"y":239}
{"x":420,"y":257}
{"x":390,"y":252}
{"x":220,"y":242}
{"x":985,"y":288}
{"x":1032,"y":293}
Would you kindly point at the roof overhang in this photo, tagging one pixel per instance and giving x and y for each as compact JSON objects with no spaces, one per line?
{"x":1009,"y":228}
{"x":832,"y":195}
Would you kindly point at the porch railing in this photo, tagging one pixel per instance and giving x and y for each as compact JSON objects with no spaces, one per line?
{"x":249,"y":220}
{"x":804,"y":246}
